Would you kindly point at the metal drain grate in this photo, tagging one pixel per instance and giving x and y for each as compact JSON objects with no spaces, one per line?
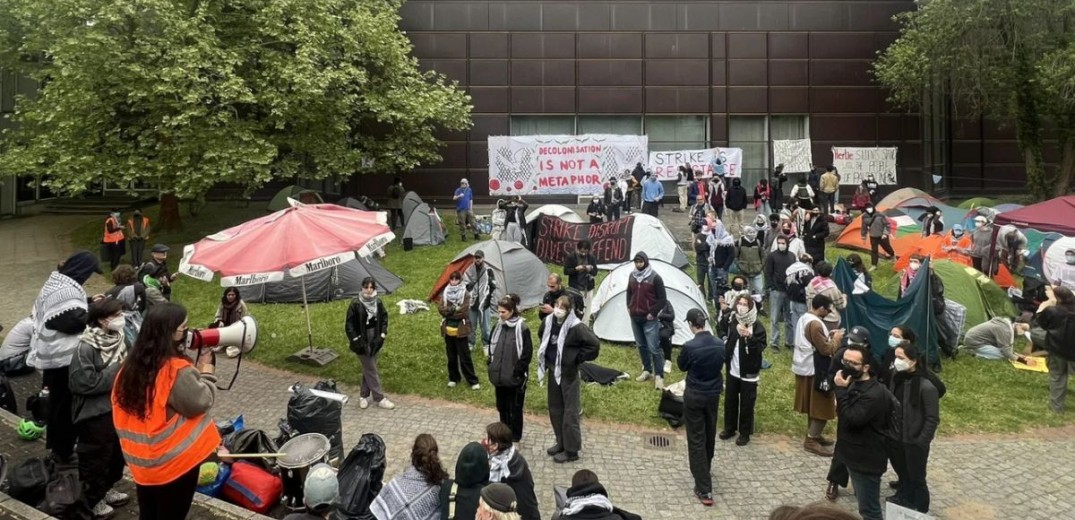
{"x":656,"y":441}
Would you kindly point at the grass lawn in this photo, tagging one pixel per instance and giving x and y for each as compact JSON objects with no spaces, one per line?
{"x":982,"y":396}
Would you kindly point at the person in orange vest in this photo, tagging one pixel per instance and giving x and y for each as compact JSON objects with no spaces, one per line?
{"x":137,"y":234}
{"x":166,"y":432}
{"x":113,"y":238}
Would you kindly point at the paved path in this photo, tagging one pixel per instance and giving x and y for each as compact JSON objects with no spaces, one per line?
{"x":1032,"y":476}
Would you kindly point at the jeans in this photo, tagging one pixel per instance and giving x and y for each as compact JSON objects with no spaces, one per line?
{"x":765,"y":208}
{"x":797,"y":311}
{"x":739,"y":405}
{"x":701,"y":271}
{"x":756,"y":284}
{"x":718,"y":282}
{"x":734,"y":222}
{"x":649,"y":344}
{"x":480,"y":319}
{"x":682,"y":192}
{"x":867,"y":493}
{"x":779,"y":310}
{"x":700,"y":419}
{"x":825,"y":202}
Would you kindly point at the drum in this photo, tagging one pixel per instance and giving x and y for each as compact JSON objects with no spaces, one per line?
{"x":302,"y":452}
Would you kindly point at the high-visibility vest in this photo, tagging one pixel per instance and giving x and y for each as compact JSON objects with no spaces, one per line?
{"x":115,"y":236}
{"x":141,"y":229}
{"x":159,"y":449}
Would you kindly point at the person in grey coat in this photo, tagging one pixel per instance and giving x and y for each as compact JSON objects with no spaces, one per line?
{"x":566,"y":343}
{"x":367,"y":328}
{"x":508,"y":354}
{"x":875,"y":225}
{"x":93,"y":368}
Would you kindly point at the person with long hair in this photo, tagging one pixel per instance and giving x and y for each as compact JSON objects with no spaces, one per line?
{"x":742,"y":359}
{"x":509,"y":354}
{"x":101,"y":349}
{"x":920,"y":409}
{"x":1053,"y":323}
{"x":566,"y":343}
{"x":367,"y":329}
{"x":160,"y":408}
{"x":127,"y":289}
{"x":455,"y":327}
{"x":414,"y":495}
{"x":507,"y":465}
{"x":232,"y":309}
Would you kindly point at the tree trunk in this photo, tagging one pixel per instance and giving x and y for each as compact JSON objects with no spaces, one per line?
{"x":170,"y":220}
{"x":1067,"y":166}
{"x":1028,"y":133}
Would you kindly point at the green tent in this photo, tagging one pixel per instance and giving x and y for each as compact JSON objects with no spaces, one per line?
{"x":982,"y":297}
{"x":978,"y":202}
{"x":303,"y":195}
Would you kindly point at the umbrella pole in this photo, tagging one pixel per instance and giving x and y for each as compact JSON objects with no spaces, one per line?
{"x":317,"y":357}
{"x":306,"y":309}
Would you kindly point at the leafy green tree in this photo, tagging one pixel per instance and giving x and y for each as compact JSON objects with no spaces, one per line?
{"x":1010,"y":60}
{"x":186,"y":94}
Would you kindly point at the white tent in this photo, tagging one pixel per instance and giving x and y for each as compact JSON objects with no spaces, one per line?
{"x":649,"y":234}
{"x":424,"y":226}
{"x":1053,"y":261}
{"x":562,"y":212}
{"x":516,"y":269}
{"x":611,"y":322}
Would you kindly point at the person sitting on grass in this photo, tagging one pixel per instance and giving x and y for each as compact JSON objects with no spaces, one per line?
{"x":995,"y":338}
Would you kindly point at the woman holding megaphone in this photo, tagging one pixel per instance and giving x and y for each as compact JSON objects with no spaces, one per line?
{"x":160,"y":404}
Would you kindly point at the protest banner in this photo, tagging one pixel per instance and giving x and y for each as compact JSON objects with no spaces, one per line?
{"x":855,"y":164}
{"x":794,"y":154}
{"x":665,"y":165}
{"x":560,"y":164}
{"x":898,"y":512}
{"x":554,"y":239}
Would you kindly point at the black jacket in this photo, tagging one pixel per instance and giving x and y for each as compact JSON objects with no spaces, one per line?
{"x":580,"y":280}
{"x":364,"y":336}
{"x":578,"y":304}
{"x":814,"y":238}
{"x":506,"y":366}
{"x":749,"y":349}
{"x":701,"y":358}
{"x":920,"y":408}
{"x":736,"y":199}
{"x":862,"y":410}
{"x":471,"y":475}
{"x":522,"y":482}
{"x":776,"y":269}
{"x":594,"y":512}
{"x":580,"y":345}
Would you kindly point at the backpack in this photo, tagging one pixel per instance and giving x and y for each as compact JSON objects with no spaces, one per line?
{"x":16,"y":365}
{"x":62,"y":491}
{"x":617,"y":195}
{"x":667,"y":320}
{"x":28,"y":480}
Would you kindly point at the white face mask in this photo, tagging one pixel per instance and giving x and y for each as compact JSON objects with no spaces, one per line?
{"x":559,"y":313}
{"x":781,"y":247}
{"x":116,"y":324}
{"x":901,"y":365}
{"x":915,"y":266}
{"x":742,"y":309}
{"x":869,"y":210}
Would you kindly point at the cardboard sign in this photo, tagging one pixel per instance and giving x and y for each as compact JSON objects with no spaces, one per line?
{"x":855,"y":164}
{"x":554,"y":239}
{"x":720,"y":161}
{"x":560,"y":164}
{"x":794,"y":154}
{"x":896,"y":512}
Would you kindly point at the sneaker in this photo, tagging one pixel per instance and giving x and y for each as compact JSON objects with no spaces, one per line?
{"x":451,"y":384}
{"x":644,"y":376}
{"x":742,"y":440}
{"x":475,"y":386}
{"x":705,"y":498}
{"x":363,"y":403}
{"x":658,"y":383}
{"x":103,"y":510}
{"x":386,"y":404}
{"x":725,"y":435}
{"x":554,"y":450}
{"x":565,"y":456}
{"x":667,"y":366}
{"x":115,"y":498}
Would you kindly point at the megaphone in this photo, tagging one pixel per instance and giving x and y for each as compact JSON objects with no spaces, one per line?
{"x":242,"y":334}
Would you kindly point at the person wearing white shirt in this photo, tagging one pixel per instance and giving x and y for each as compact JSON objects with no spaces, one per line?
{"x":743,"y":362}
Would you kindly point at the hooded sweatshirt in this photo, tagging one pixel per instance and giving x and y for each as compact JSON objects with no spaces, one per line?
{"x":590,"y":502}
{"x":645,"y":291}
{"x":471,"y":475}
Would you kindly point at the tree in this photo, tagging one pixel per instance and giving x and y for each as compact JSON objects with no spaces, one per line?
{"x":1002,"y":59}
{"x":186,"y":94}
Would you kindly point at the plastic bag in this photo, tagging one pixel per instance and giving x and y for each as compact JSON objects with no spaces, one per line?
{"x":361,"y":477}
{"x":27,"y":481}
{"x":307,"y":413}
{"x":229,"y":426}
{"x":253,"y":441}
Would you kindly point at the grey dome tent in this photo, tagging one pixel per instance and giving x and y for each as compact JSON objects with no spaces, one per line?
{"x":424,"y":227}
{"x":341,"y":282}
{"x":303,"y":195}
{"x":515,"y":268}
{"x":362,"y":203}
{"x":410,"y":201}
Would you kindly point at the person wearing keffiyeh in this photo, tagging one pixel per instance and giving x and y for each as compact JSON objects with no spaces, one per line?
{"x":566,"y":343}
{"x":587,"y":499}
{"x":508,"y":355}
{"x":507,"y":465}
{"x":455,"y":327}
{"x":742,"y":360}
{"x":367,"y":328}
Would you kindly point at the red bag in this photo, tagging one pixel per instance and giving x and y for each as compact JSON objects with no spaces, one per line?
{"x":252,"y":487}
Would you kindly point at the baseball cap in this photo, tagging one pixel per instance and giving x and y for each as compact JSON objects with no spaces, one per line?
{"x":479,"y":254}
{"x":321,"y":489}
{"x":696,"y":317}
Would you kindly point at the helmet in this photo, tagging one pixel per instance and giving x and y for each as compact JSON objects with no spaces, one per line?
{"x":859,"y":335}
{"x":30,"y":430}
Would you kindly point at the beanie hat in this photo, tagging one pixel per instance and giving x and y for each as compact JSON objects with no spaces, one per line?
{"x":499,"y":497}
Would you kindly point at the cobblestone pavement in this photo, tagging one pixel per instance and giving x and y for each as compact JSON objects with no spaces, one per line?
{"x":971,"y":477}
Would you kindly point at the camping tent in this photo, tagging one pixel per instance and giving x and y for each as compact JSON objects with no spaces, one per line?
{"x":424,"y":227}
{"x":1053,"y":261}
{"x":1056,"y":215}
{"x":982,"y":297}
{"x":649,"y":234}
{"x":903,"y":228}
{"x":904,"y":196}
{"x":340,"y":282}
{"x":977,"y":202}
{"x":609,"y":308}
{"x":363,"y":203}
{"x":562,"y":212}
{"x":303,"y":195}
{"x":410,"y":201}
{"x":515,"y":268}
{"x":933,"y":247}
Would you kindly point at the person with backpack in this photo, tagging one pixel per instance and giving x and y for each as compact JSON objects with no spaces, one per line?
{"x":750,"y":257}
{"x":775,"y":270}
{"x":873,"y":189}
{"x":814,"y":347}
{"x":394,"y":204}
{"x":721,"y":256}
{"x":799,"y":276}
{"x":101,"y":350}
{"x":742,"y":361}
{"x":482,"y":289}
{"x":803,"y":194}
{"x":717,"y":193}
{"x":701,"y":259}
{"x":824,"y":284}
{"x":864,"y":407}
{"x":920,"y":416}
{"x":367,"y":328}
{"x":875,"y":225}
{"x":459,"y":496}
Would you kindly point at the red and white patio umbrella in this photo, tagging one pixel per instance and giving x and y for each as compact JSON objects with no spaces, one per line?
{"x":296,"y":241}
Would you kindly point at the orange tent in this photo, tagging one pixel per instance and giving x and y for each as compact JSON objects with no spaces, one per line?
{"x":933,"y":247}
{"x":902,"y":228}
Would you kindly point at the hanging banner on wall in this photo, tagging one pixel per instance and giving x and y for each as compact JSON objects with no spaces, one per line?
{"x":555,"y":238}
{"x":560,"y":164}
{"x":855,"y":164}
{"x":665,"y":165}
{"x":794,"y":154}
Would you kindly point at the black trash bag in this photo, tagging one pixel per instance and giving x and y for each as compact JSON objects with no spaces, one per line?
{"x":671,"y":408}
{"x":594,"y":373}
{"x":38,"y":408}
{"x":16,"y":365}
{"x":253,"y":441}
{"x":28,"y":480}
{"x":361,"y":477}
{"x":286,"y":432}
{"x":308,"y":413}
{"x":7,"y":396}
{"x":63,"y":492}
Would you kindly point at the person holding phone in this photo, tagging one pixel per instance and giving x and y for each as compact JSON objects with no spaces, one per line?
{"x":863,"y":410}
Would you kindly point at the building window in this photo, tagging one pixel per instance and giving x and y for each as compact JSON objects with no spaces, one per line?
{"x":542,"y":125}
{"x":754,"y":133}
{"x":618,"y":125}
{"x":676,"y":132}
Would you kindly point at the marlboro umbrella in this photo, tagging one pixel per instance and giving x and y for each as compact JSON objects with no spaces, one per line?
{"x":299,"y":240}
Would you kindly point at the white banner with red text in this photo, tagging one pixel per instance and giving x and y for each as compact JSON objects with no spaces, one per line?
{"x":722,"y":161}
{"x":560,"y":164}
{"x":856,"y":164}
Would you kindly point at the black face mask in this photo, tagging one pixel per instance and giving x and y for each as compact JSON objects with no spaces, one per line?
{"x":738,"y":286}
{"x":852,"y":372}
{"x":773,"y":224}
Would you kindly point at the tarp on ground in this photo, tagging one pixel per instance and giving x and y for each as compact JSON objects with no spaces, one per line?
{"x":411,"y":200}
{"x":904,"y":231}
{"x":341,"y":282}
{"x":303,"y":195}
{"x":879,"y":314}
{"x":555,"y":210}
{"x":609,"y":307}
{"x":515,"y":268}
{"x":982,"y":297}
{"x":424,"y":227}
{"x":894,"y":199}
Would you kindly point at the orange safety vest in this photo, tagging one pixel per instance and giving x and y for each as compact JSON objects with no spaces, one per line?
{"x":141,"y":230}
{"x":115,"y":236}
{"x":159,"y":449}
